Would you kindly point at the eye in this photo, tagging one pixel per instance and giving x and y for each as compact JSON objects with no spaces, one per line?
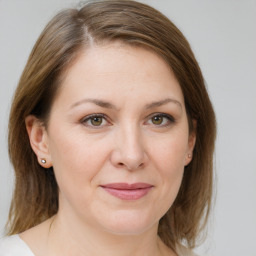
{"x":161,"y":120}
{"x":157,"y":120}
{"x":95,"y":120}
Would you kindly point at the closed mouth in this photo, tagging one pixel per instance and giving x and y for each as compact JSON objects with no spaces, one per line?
{"x":127,"y":191}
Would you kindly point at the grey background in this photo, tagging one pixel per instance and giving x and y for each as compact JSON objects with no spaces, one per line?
{"x":222,"y":34}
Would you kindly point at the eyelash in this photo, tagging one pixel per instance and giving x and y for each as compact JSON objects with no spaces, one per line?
{"x":85,"y":120}
{"x":170,"y":119}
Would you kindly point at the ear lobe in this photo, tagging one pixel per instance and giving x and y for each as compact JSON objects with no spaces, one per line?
{"x":38,"y":140}
{"x":191,"y":143}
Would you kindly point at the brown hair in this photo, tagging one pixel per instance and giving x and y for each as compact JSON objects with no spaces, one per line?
{"x":36,"y":192}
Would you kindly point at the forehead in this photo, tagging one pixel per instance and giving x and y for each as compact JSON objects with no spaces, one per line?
{"x":116,"y":68}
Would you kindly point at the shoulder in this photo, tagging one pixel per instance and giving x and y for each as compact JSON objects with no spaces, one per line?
{"x":14,"y":246}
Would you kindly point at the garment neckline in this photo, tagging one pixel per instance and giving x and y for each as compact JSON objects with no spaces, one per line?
{"x":24,"y":244}
{"x":181,"y":250}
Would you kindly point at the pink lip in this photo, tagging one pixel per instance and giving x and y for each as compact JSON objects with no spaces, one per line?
{"x":126,"y":191}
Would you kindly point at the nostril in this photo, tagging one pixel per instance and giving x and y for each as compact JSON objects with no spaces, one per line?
{"x":130,"y":160}
{"x":130,"y":166}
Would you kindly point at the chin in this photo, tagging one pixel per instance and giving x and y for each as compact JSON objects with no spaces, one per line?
{"x":129,"y":224}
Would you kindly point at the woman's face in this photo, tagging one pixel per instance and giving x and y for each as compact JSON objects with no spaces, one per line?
{"x":118,"y":139}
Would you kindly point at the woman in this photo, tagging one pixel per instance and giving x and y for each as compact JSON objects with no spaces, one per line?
{"x":111,"y":136}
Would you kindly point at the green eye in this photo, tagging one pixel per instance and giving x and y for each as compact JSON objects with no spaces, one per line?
{"x":96,"y":121}
{"x":157,"y":120}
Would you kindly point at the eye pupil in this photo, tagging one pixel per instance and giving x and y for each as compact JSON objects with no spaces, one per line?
{"x":157,"y":120}
{"x":96,"y":121}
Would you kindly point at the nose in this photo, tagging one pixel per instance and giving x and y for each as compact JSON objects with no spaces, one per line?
{"x":129,"y":150}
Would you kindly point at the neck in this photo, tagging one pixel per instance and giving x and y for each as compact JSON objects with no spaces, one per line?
{"x":69,"y":236}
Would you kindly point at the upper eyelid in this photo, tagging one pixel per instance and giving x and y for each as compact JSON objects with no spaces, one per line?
{"x":161,"y":114}
{"x":94,"y":115}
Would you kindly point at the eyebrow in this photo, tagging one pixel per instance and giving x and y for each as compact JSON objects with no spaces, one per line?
{"x":163,"y":102}
{"x":105,"y":104}
{"x":101,"y":103}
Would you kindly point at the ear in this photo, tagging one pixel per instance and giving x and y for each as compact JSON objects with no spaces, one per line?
{"x":191,"y":143}
{"x":38,"y":138}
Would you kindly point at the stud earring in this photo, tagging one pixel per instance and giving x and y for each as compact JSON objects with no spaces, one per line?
{"x":43,"y":160}
{"x":189,"y":155}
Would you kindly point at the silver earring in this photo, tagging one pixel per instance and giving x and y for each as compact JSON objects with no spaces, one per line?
{"x":43,"y":160}
{"x":189,"y":155}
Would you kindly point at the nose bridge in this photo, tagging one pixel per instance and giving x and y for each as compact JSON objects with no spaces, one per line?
{"x":130,"y":148}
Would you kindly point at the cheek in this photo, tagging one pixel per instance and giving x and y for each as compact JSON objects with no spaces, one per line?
{"x":76,"y":159}
{"x":168,"y":158}
{"x":171,"y":169}
{"x":169,"y":153}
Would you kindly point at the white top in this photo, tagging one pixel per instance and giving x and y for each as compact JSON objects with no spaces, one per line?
{"x":15,"y":246}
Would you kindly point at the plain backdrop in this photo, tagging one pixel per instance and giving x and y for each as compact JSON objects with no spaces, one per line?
{"x":222,"y":34}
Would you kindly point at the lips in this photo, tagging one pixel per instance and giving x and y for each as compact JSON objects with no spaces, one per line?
{"x":127,"y":191}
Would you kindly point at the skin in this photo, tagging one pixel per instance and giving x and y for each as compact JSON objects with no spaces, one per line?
{"x":142,"y":137}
